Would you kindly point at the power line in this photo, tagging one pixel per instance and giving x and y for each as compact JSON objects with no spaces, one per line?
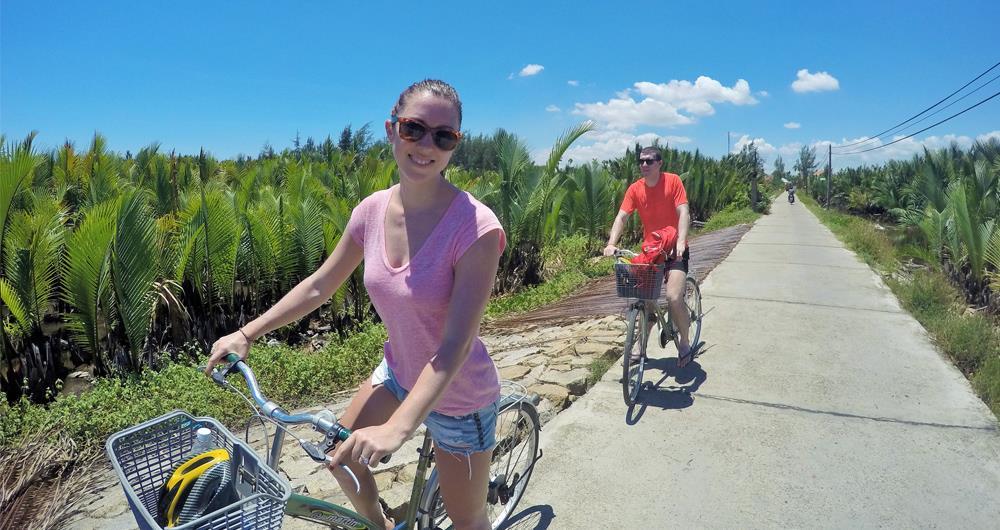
{"x":874,"y":137}
{"x":924,"y":129}
{"x":977,"y":89}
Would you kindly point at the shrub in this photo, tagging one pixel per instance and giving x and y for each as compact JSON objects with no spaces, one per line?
{"x":287,"y":376}
{"x":731,"y":215}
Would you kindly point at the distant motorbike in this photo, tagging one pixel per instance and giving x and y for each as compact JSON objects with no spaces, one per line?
{"x":791,"y":197}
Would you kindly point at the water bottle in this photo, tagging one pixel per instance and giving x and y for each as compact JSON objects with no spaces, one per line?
{"x":203,"y":442}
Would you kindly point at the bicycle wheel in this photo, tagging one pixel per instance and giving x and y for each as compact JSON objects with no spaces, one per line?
{"x":692,"y":300}
{"x":511,"y":465}
{"x":635,"y":331}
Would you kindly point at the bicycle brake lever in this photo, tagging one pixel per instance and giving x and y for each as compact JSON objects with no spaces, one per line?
{"x":318,"y":455}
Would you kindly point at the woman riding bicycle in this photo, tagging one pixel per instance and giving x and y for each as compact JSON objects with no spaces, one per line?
{"x":431,"y":253}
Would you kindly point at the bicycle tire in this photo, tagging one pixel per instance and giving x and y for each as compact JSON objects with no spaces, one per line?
{"x":632,"y":370}
{"x":513,"y":421}
{"x":692,"y":300}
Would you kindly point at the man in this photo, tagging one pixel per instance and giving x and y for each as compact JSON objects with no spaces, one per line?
{"x":661,"y":201}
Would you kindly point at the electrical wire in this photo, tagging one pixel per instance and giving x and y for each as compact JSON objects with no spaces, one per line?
{"x":922,"y":130}
{"x":874,"y":137}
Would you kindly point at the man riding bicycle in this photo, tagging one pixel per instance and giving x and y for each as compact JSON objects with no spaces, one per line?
{"x":661,"y":201}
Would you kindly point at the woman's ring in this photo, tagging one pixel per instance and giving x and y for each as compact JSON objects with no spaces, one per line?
{"x":363,"y":461}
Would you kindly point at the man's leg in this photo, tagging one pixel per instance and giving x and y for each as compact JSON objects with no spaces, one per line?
{"x":679,"y":313}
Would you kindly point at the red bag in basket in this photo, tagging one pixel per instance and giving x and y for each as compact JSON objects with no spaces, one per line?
{"x":656,"y":247}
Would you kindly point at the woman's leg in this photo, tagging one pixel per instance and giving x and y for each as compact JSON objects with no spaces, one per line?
{"x":464,"y":497}
{"x":370,"y":406}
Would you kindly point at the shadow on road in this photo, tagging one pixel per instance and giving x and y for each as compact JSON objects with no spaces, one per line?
{"x":534,"y":518}
{"x":676,"y":396}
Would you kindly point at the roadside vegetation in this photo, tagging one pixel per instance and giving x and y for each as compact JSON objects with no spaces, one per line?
{"x":969,"y":336}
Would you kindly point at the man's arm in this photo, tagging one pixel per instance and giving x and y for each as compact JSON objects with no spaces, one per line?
{"x":683,"y":221}
{"x":616,"y":232}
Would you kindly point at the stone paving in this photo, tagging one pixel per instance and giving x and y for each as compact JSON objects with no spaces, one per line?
{"x":551,"y":361}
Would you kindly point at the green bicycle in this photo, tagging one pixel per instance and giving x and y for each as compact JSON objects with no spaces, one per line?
{"x":143,"y":457}
{"x":643,"y":283}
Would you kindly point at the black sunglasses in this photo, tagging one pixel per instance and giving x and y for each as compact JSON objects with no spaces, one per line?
{"x":648,"y":161}
{"x":412,"y":130}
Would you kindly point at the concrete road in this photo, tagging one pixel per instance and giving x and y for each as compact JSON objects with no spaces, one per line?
{"x":818,"y":402}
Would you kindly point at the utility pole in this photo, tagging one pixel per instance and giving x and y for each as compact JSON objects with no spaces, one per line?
{"x":753,"y":176}
{"x":727,"y":143}
{"x":829,"y":172}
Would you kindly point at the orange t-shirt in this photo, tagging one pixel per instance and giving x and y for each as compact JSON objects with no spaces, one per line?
{"x":657,"y":205}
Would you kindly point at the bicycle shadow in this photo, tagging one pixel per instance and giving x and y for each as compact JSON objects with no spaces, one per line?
{"x":538,"y":517}
{"x":674,"y":396}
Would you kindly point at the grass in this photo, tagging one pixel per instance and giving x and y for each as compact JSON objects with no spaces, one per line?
{"x":972,"y":341}
{"x":290,"y":377}
{"x":729,"y":217}
{"x":598,"y":367}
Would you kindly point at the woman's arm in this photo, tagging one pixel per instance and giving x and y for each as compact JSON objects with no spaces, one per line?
{"x":475,"y":274}
{"x":304,"y":298}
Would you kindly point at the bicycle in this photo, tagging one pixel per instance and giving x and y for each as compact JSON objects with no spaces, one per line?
{"x":145,"y":455}
{"x":644,"y":282}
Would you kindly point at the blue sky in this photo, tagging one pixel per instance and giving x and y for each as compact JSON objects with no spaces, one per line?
{"x":231,"y":76}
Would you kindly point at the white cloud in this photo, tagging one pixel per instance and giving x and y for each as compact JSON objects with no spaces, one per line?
{"x":763,"y":93}
{"x":531,"y":70}
{"x":573,"y":82}
{"x":902,"y":150}
{"x":793,"y":125}
{"x":609,"y":144}
{"x":551,"y":108}
{"x":818,"y":82}
{"x":678,"y":102}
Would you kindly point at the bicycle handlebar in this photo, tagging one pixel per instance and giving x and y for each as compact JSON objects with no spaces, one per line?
{"x":324,"y":421}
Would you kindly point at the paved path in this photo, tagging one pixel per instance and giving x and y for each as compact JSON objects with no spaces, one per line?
{"x":818,"y":402}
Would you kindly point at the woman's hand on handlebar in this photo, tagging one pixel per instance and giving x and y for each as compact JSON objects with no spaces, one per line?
{"x":233,"y":343}
{"x":610,"y":250}
{"x":368,"y":445}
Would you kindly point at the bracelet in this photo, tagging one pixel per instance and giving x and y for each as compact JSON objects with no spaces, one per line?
{"x":245,"y":336}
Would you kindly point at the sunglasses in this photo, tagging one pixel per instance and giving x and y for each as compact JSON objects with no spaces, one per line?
{"x":648,"y":161}
{"x":412,"y":130}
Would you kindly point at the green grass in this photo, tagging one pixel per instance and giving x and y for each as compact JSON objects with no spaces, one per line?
{"x":568,"y":265}
{"x":971,"y":341}
{"x":290,"y":377}
{"x":597,"y":369}
{"x":730,"y":216}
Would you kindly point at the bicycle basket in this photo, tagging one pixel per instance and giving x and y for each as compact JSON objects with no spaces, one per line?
{"x":639,"y":280}
{"x":144,"y":456}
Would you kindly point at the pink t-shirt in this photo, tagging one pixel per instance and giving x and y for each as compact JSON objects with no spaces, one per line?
{"x":413,"y":299}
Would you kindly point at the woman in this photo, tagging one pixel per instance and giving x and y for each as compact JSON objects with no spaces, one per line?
{"x":431,"y":253}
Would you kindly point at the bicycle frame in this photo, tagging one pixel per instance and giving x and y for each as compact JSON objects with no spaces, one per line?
{"x":311,"y":508}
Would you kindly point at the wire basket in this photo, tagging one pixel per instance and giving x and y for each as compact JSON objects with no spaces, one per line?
{"x":144,"y":457}
{"x":639,"y":280}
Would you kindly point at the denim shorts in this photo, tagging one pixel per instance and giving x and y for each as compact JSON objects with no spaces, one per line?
{"x":459,"y":435}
